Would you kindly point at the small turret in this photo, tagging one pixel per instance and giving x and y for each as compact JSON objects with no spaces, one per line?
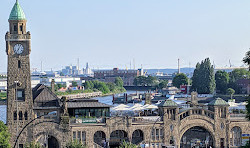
{"x":17,"y":20}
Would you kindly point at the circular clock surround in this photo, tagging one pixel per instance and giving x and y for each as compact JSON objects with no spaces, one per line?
{"x":18,"y":48}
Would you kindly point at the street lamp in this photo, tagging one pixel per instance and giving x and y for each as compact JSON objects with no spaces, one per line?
{"x":17,"y":115}
{"x":49,"y":114}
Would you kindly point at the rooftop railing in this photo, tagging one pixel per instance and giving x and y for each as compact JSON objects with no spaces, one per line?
{"x":80,"y":120}
{"x":197,"y":111}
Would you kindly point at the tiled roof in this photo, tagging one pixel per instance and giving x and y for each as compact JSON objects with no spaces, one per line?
{"x":218,"y":102}
{"x":168,"y":103}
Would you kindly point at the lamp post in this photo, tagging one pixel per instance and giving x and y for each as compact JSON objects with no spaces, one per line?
{"x":17,"y":115}
{"x":49,"y":114}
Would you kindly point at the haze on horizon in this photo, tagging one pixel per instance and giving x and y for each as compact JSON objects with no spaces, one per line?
{"x":112,"y":33}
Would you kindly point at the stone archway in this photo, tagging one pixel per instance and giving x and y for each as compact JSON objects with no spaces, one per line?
{"x":117,"y":137}
{"x":100,"y":138}
{"x":137,"y":136}
{"x":48,"y":141}
{"x":197,"y":136}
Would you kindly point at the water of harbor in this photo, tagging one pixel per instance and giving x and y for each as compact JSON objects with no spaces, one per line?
{"x":106,"y":100}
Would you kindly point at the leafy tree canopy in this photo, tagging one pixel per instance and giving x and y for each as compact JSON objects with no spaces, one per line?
{"x":163,"y":84}
{"x":119,"y":82}
{"x":222,"y":80}
{"x":145,"y":81}
{"x":74,"y":84}
{"x":180,"y":79}
{"x":203,"y":80}
{"x":246,"y":59}
{"x":231,"y":92}
{"x":4,"y":136}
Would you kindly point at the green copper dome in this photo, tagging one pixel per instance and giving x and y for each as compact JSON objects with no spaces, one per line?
{"x":218,"y":102}
{"x":168,"y":103}
{"x":17,"y":13}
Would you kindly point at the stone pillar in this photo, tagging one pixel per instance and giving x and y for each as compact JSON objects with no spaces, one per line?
{"x":53,"y":85}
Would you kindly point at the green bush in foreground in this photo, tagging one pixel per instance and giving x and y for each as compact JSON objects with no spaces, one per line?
{"x":75,"y":144}
{"x":33,"y":145}
{"x":4,"y":136}
{"x":127,"y":145}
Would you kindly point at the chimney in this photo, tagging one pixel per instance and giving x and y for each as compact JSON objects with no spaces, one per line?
{"x":179,"y":70}
{"x":53,"y":85}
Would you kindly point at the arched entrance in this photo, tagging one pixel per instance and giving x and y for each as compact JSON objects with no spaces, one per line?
{"x":52,"y":142}
{"x":137,"y":136}
{"x":117,"y":137}
{"x":197,"y":137}
{"x":48,"y":141}
{"x":100,"y":138}
{"x":235,"y":136}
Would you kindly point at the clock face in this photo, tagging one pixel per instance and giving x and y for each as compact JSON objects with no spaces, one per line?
{"x":18,"y":48}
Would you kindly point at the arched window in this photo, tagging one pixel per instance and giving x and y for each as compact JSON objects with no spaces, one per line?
{"x":20,"y":115}
{"x":26,"y":115}
{"x":15,"y":116}
{"x":235,"y":136}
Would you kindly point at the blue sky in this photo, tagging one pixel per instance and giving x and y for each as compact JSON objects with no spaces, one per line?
{"x":111,"y":33}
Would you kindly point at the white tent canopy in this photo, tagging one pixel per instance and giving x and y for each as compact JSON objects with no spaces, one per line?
{"x":151,"y":106}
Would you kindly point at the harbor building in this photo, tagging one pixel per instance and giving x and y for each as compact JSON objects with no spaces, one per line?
{"x":39,"y":115}
{"x":127,"y":76}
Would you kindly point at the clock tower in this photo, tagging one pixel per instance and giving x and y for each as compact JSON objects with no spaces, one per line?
{"x":19,"y":92}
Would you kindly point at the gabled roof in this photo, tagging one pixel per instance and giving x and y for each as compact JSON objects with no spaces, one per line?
{"x":168,"y":103}
{"x":44,"y":97}
{"x":85,"y":103}
{"x":218,"y":102}
{"x":17,"y":12}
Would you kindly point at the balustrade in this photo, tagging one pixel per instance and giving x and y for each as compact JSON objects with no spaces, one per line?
{"x":202,"y":112}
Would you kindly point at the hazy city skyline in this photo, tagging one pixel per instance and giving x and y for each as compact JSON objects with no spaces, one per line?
{"x":113,"y":33}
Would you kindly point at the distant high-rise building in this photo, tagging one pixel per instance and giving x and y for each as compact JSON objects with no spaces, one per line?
{"x":87,"y":70}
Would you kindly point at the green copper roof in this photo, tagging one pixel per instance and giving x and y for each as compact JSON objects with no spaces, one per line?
{"x":17,"y":13}
{"x":168,"y":103}
{"x":218,"y":102}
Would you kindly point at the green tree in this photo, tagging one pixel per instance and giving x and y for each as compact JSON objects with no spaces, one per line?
{"x":119,"y":82}
{"x":163,"y":84}
{"x":4,"y":136}
{"x":145,"y":81}
{"x":101,"y":86}
{"x":203,"y":78}
{"x":151,"y":81}
{"x":111,"y":86}
{"x":236,"y":75}
{"x":32,"y":145}
{"x":246,"y":59}
{"x":87,"y":85}
{"x":75,"y":144}
{"x":231,"y":92}
{"x":128,"y":145}
{"x":222,"y":80}
{"x":74,"y":84}
{"x":180,"y":79}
